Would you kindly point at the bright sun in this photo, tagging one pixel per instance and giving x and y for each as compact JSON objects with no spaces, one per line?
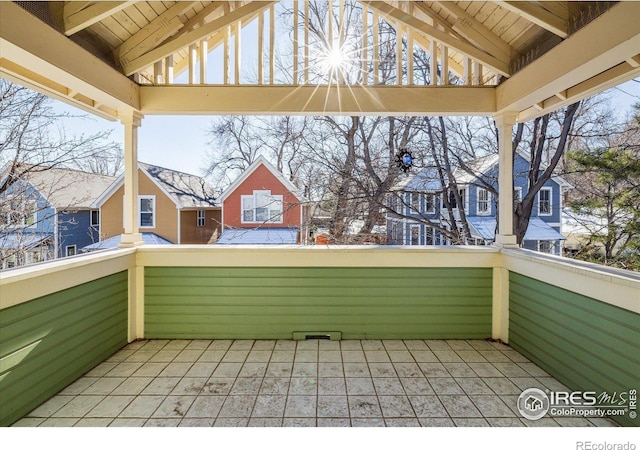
{"x":334,"y":60}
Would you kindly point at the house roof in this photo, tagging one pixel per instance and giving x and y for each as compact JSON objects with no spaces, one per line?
{"x":68,"y":188}
{"x":258,"y":236}
{"x":261,"y":160}
{"x":185,"y":190}
{"x":114,"y":241}
{"x":427,"y":179}
{"x":484,"y":227}
{"x":23,"y":241}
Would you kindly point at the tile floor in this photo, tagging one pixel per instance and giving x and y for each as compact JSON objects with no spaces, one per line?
{"x":316,"y":383}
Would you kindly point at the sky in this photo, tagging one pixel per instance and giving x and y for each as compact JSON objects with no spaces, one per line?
{"x":181,"y":142}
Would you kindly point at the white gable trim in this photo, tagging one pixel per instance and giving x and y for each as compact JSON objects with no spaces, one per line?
{"x":106,"y":195}
{"x":252,"y":168}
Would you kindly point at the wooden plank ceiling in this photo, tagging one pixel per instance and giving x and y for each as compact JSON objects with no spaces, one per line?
{"x":484,"y":47}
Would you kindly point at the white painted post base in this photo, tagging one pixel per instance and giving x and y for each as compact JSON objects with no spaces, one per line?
{"x":128,"y":240}
{"x":506,"y":241}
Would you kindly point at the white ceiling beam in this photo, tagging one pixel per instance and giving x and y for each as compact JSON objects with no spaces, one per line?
{"x":317,"y":100}
{"x":194,"y":36}
{"x":538,"y":15}
{"x":465,"y":48}
{"x":36,"y":48}
{"x":605,"y":43}
{"x":153,"y":34}
{"x":78,"y":19}
{"x":476,"y":32}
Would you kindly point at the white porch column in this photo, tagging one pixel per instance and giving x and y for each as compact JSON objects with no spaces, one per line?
{"x":132,"y":236}
{"x":505,"y":236}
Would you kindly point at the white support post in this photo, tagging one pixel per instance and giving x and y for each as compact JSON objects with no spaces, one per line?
{"x":505,"y":236}
{"x":132,"y":236}
{"x":500,"y":305}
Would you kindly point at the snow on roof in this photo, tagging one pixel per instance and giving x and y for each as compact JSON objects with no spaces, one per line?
{"x":259,"y":236}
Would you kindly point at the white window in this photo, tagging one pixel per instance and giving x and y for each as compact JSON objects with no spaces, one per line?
{"x":201,"y":218}
{"x":415,"y":202}
{"x":430,"y":203}
{"x":463,"y":198}
{"x":147,"y":211}
{"x":70,"y":250}
{"x":415,"y":234}
{"x":95,"y":218}
{"x":429,"y":236}
{"x":544,"y":202}
{"x":261,"y":207}
{"x":16,"y":211}
{"x":545,"y":246}
{"x":517,"y":195}
{"x":484,"y":203}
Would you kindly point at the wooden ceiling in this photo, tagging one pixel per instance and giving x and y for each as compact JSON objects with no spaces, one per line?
{"x":526,"y":57}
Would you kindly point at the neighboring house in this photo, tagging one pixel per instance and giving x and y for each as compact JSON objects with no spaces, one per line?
{"x":263,"y":207}
{"x":420,"y":196}
{"x":48,"y":214}
{"x":176,"y":207}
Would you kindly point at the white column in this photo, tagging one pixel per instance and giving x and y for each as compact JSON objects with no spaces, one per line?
{"x":505,"y":236}
{"x":132,"y":236}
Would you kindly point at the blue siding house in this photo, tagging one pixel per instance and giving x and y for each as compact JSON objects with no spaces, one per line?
{"x":47,"y":214}
{"x":417,"y":214}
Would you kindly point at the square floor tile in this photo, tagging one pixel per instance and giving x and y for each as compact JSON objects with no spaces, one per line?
{"x":211,"y":356}
{"x":218,"y":386}
{"x":486,"y":370}
{"x":376,"y":356}
{"x":253,"y":369}
{"x":201,"y":369}
{"x":48,"y":408}
{"x":150,"y":369}
{"x":111,"y":406}
{"x":78,"y":386}
{"x":502,"y":386}
{"x":433,"y":370}
{"x":491,"y":406}
{"x":447,"y":356}
{"x":231,"y":422}
{"x":332,"y":386}
{"x":330,"y":369}
{"x":165,"y":355}
{"x":360,"y":386}
{"x":470,"y":356}
{"x":238,"y":406}
{"x":235,"y":356}
{"x":299,"y":422}
{"x":59,"y":422}
{"x":306,"y":356}
{"x":279,"y":369}
{"x":245,"y":386}
{"x":368,"y":422}
{"x":305,"y":369}
{"x":511,"y":370}
{"x":493,"y":356}
{"x":265,"y":422}
{"x":473,"y":386}
{"x":275,"y":386}
{"x":388,"y":386}
{"x":437,"y":345}
{"x":204,"y":422}
{"x":427,"y":406}
{"x":333,"y":406}
{"x":104,"y":386}
{"x":301,"y":406}
{"x":174,"y":406}
{"x":372,"y":345}
{"x":364,"y":406}
{"x":334,"y":422}
{"x":459,"y":370}
{"x":79,"y":406}
{"x":283,"y":356}
{"x":401,"y":422}
{"x":29,"y":422}
{"x":263,"y":345}
{"x":220,"y":344}
{"x":416,"y":386}
{"x":353,"y":356}
{"x":269,"y":406}
{"x":161,"y":386}
{"x":408,"y":370}
{"x":227,"y":370}
{"x":333,"y":356}
{"x":303,"y":386}
{"x":176,"y":369}
{"x":400,"y":356}
{"x":459,"y":406}
{"x":395,"y":406}
{"x":206,"y":406}
{"x":382,"y":370}
{"x":424,"y":355}
{"x":189,"y":386}
{"x":350,"y":345}
{"x":259,"y":356}
{"x":445,"y":386}
{"x":142,"y":407}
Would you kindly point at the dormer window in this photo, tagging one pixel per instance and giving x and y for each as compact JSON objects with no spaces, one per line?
{"x":261,"y":207}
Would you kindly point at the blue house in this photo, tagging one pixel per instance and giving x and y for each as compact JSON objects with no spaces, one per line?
{"x":47,"y":214}
{"x":418,"y":214}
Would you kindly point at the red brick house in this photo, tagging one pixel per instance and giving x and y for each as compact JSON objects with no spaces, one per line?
{"x":263,"y":207}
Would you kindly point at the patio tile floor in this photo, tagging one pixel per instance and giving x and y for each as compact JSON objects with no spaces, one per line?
{"x":315,"y":383}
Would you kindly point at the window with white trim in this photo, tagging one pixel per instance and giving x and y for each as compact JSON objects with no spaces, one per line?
{"x":95,"y":218}
{"x":18,"y":211}
{"x":463,"y":198}
{"x":261,"y":207}
{"x":429,"y":236}
{"x":201,"y":218}
{"x":70,"y":250}
{"x":147,"y":211}
{"x":484,"y":202}
{"x":544,"y":202}
{"x":545,"y":246}
{"x":415,"y":235}
{"x":430,"y":203}
{"x":415,"y":202}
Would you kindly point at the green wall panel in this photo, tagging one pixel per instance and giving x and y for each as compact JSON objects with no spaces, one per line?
{"x":586,"y":344}
{"x":361,"y":303}
{"x":47,"y":343}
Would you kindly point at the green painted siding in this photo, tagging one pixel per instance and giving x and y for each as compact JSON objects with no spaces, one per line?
{"x":361,"y":303}
{"x":47,"y":343}
{"x":586,"y":344}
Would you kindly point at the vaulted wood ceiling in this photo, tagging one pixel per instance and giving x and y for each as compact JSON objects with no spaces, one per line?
{"x":490,"y":57}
